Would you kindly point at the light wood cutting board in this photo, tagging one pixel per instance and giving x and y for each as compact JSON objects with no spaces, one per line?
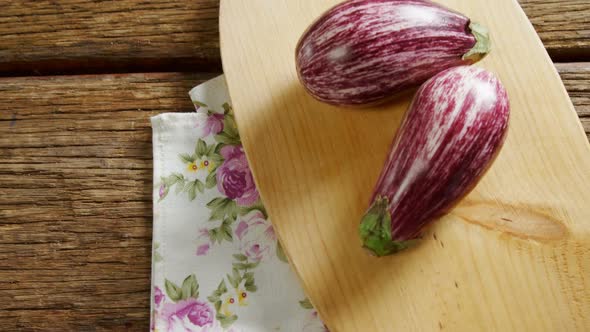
{"x":513,"y":256}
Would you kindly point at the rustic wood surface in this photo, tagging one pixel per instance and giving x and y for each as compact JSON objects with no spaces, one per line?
{"x":55,"y":36}
{"x":75,"y":151}
{"x":60,"y":36}
{"x":564,"y":27}
{"x":75,"y":198}
{"x":576,"y":78}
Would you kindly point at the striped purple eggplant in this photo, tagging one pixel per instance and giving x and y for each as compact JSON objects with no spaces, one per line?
{"x":450,"y":135}
{"x":362,"y":52}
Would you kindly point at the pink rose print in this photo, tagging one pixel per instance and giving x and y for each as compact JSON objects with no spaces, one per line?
{"x":187,"y":315}
{"x":204,"y":248}
{"x":209,"y":123}
{"x":256,"y":237}
{"x":162,"y":190}
{"x":214,"y":123}
{"x":234,"y":178}
{"x":158,"y":296}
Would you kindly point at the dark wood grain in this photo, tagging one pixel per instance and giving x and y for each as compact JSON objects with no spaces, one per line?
{"x":563,"y":25}
{"x":576,"y":78}
{"x":75,"y":195}
{"x":83,"y":36}
{"x":64,"y":36}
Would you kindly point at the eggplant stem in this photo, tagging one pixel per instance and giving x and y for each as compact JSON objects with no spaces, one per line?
{"x":375,"y":230}
{"x":483,"y":44}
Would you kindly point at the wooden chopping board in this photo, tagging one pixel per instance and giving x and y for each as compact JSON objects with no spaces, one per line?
{"x":513,"y":256}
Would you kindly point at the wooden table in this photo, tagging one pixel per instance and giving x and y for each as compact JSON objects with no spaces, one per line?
{"x":78,"y":83}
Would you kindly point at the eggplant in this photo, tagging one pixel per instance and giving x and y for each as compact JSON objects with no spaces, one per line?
{"x":363,"y":52}
{"x":450,"y":135}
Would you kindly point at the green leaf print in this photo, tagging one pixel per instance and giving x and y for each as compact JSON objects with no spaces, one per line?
{"x":239,"y":266}
{"x":216,"y":159}
{"x":243,"y":210}
{"x":240,"y":257}
{"x":226,"y":232}
{"x":227,"y":222}
{"x":210,"y":150}
{"x":306,"y":304}
{"x":180,"y":186}
{"x":245,"y":266}
{"x":157,"y":257}
{"x":186,"y":158}
{"x":229,"y":135}
{"x":248,"y":276}
{"x":236,"y":276}
{"x":249,"y":284}
{"x":211,"y":180}
{"x":230,"y":124}
{"x":190,"y":287}
{"x":251,"y":288}
{"x":214,"y":298}
{"x":217,"y":305}
{"x":188,"y":186}
{"x":200,"y":186}
{"x":174,"y":179}
{"x":227,"y":139}
{"x":222,"y":207}
{"x":174,"y":292}
{"x":201,"y":148}
{"x":281,"y":253}
{"x":214,"y":235}
{"x":223,"y":232}
{"x":200,"y":104}
{"x":205,"y":157}
{"x":215,"y":203}
{"x":222,"y":289}
{"x":218,"y":148}
{"x":227,"y":109}
{"x":192,"y":191}
{"x":226,"y":321}
{"x":234,"y":279}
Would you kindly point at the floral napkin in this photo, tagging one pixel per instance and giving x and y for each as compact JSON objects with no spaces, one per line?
{"x":216,"y":265}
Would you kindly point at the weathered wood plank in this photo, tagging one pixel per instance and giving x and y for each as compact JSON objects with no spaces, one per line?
{"x":55,"y":36}
{"x":75,"y":198}
{"x":564,"y":27}
{"x":65,"y":36}
{"x":75,"y":194}
{"x":576,"y":78}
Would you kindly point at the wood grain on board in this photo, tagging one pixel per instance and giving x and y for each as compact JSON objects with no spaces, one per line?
{"x":61,"y":36}
{"x":518,"y":243}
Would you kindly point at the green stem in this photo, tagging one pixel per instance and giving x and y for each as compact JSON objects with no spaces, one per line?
{"x":375,"y":230}
{"x":483,"y":44}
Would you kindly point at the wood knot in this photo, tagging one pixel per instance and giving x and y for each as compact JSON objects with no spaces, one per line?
{"x":522,"y":222}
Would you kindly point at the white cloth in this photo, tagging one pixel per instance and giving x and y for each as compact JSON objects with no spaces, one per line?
{"x":216,"y":263}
